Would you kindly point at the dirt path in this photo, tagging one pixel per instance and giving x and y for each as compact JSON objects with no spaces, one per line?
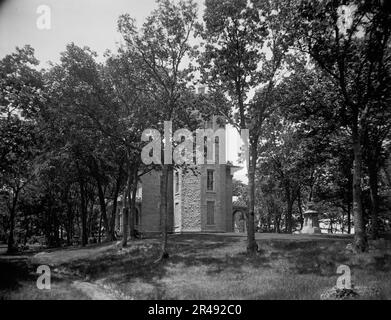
{"x":93,"y":291}
{"x":68,"y":255}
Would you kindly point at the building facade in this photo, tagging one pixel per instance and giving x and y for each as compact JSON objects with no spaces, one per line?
{"x":200,"y":200}
{"x":200,"y":197}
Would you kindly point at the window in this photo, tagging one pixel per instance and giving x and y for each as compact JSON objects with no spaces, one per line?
{"x":177,"y":182}
{"x":209,"y":180}
{"x":217,"y":150}
{"x":210,"y":213}
{"x":177,"y":219}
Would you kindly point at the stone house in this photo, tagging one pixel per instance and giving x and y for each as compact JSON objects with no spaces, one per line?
{"x":200,"y":199}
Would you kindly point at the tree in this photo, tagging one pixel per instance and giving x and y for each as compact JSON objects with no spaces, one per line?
{"x":246,"y":50}
{"x":374,"y":157}
{"x":305,"y":149}
{"x":82,"y":108}
{"x":273,"y":66}
{"x":234,"y":35}
{"x":136,"y":111}
{"x":161,"y":46}
{"x":20,"y":99}
{"x":239,"y":189}
{"x":350,"y":41}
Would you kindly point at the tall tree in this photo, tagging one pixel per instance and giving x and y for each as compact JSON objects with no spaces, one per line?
{"x":81,"y":107}
{"x":246,"y":48}
{"x":349,"y":40}
{"x":162,"y":46}
{"x":273,"y":66}
{"x":234,"y":35}
{"x":21,"y":97}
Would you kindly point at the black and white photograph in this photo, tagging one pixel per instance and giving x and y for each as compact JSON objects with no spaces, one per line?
{"x":193,"y":155}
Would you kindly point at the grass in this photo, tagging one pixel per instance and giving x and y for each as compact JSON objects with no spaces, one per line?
{"x":18,"y":282}
{"x":216,"y":267}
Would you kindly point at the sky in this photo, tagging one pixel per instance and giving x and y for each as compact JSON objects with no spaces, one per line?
{"x":85,"y":22}
{"x":91,"y":23}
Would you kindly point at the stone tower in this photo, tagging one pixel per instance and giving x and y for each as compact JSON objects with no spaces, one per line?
{"x":200,"y":198}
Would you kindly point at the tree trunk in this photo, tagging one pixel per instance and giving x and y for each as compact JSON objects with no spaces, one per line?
{"x":103,"y":211}
{"x":300,"y":209}
{"x":268,"y":222}
{"x":290,"y":200}
{"x":56,"y":230}
{"x":100,"y":229}
{"x":69,"y":223}
{"x":125,"y":226}
{"x":125,"y":212}
{"x":360,"y":241}
{"x":288,"y":219}
{"x":115,"y":204}
{"x":164,"y":209}
{"x":331,"y":225}
{"x":349,"y":219}
{"x":132,"y":204}
{"x":91,"y":219}
{"x":374,"y":193}
{"x":252,"y":246}
{"x":277,"y":226}
{"x":49,"y":224}
{"x":83,"y":212}
{"x":11,"y":242}
{"x":26,"y":227}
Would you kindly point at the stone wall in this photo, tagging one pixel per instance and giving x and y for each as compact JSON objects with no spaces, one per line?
{"x":150,"y":207}
{"x":188,"y":206}
{"x":222,"y":199}
{"x":190,"y":202}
